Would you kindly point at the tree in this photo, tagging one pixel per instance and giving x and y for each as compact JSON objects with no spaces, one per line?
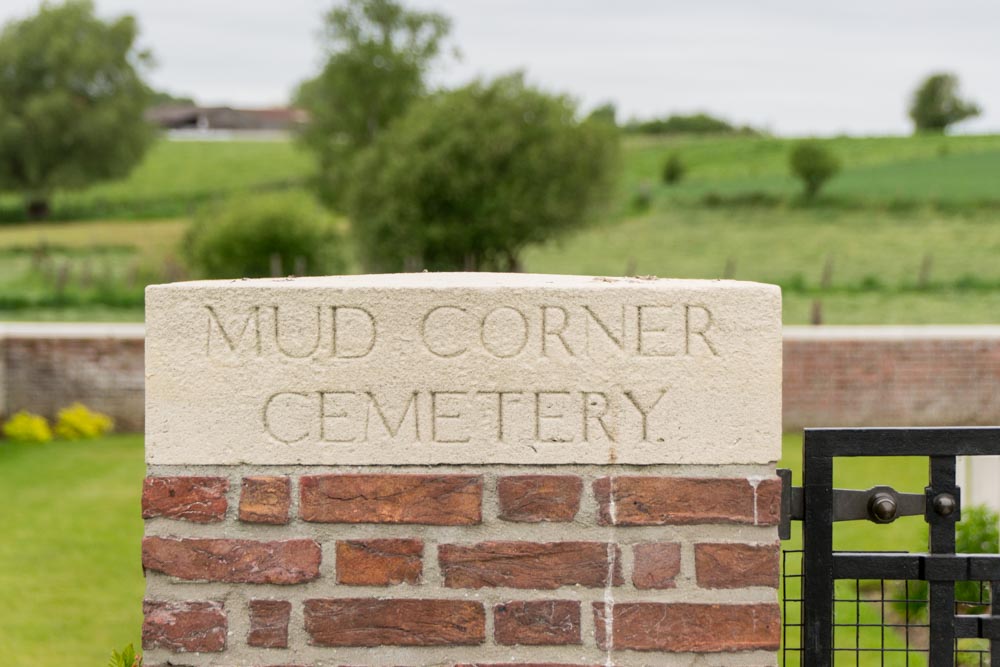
{"x":71,"y":102}
{"x":814,"y":165}
{"x":936,"y":104}
{"x":378,"y":54}
{"x":468,"y":178}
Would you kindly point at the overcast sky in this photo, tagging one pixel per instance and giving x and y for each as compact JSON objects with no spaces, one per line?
{"x":791,"y":66}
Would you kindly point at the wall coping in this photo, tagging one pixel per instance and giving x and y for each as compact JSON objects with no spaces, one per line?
{"x":892,"y":332}
{"x":136,"y":330}
{"x":72,"y":330}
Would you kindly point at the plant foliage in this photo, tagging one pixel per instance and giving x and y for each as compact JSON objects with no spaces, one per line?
{"x":936,"y":104}
{"x":673,"y":169}
{"x":814,"y":164}
{"x":241,"y":236}
{"x":126,"y":658}
{"x":78,"y":422}
{"x":24,"y":426}
{"x":71,"y":102}
{"x":468,"y":178}
{"x":378,"y":52}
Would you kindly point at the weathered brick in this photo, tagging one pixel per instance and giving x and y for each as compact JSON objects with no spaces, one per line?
{"x":685,"y":627}
{"x":537,"y":623}
{"x":233,"y":561}
{"x":184,"y":626}
{"x":399,"y":622}
{"x":656,"y":564}
{"x":265,"y":500}
{"x":542,"y":565}
{"x":379,"y":562}
{"x":736,"y":565}
{"x":442,"y":500}
{"x":657,"y":501}
{"x":197,"y":499}
{"x":269,"y":623}
{"x":769,"y":502}
{"x":536,"y":498}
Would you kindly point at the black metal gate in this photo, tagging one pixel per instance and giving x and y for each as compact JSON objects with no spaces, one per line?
{"x":887,"y":608}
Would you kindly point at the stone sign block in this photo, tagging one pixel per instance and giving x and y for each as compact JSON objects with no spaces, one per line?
{"x":462,"y":469}
{"x":463,"y":368}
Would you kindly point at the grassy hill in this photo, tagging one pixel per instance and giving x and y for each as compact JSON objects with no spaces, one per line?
{"x":907,"y":233}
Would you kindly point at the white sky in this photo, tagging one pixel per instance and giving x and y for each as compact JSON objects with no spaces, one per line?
{"x":793,"y":66}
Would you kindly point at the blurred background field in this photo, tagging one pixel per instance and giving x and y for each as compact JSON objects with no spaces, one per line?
{"x":906,"y":234}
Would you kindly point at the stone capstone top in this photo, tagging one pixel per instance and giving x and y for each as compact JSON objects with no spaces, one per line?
{"x":463,"y":368}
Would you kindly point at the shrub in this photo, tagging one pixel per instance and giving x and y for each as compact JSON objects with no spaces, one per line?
{"x":673,"y":169}
{"x":127,"y":658}
{"x":814,"y":165}
{"x":238,"y":237}
{"x":468,"y":178}
{"x":24,"y":426}
{"x":78,"y":422}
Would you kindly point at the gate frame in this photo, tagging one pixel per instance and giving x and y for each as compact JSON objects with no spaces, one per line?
{"x":941,"y":567}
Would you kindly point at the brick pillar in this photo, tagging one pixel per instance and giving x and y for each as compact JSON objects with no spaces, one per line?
{"x":446,"y":469}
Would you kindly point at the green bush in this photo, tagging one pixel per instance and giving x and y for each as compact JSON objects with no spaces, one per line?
{"x":24,"y":426}
{"x":673,"y":169}
{"x":814,"y":164}
{"x":78,"y":422}
{"x":241,"y":236}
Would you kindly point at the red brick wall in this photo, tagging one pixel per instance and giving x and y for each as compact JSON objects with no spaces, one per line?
{"x":43,"y":372}
{"x":833,"y":376}
{"x":575,"y":565}
{"x":889,"y":376}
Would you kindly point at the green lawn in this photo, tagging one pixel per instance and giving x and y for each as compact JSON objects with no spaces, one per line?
{"x":70,"y":571}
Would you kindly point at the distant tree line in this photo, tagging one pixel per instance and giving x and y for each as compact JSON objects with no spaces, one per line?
{"x":698,"y":123}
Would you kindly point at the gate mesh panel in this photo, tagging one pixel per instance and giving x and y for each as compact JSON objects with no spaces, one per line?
{"x":880,"y":621}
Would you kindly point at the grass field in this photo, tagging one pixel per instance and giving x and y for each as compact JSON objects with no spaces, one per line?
{"x":907,"y":233}
{"x":70,"y":569}
{"x":70,"y":566}
{"x":176,"y":176}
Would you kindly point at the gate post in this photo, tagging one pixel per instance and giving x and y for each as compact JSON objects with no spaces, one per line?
{"x":817,"y":569}
{"x":462,"y":469}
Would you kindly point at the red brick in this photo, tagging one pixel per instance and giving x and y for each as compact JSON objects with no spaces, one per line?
{"x":683,"y":627}
{"x":441,"y":500}
{"x":658,"y":501}
{"x":233,"y":561}
{"x":536,"y":498}
{"x":269,"y":623}
{"x":537,"y":623}
{"x":379,"y":562}
{"x":184,"y":626}
{"x":197,"y":499}
{"x":656,"y":565}
{"x":380,"y":622}
{"x":769,"y":502}
{"x":542,"y":565}
{"x":265,"y":500}
{"x":736,"y":565}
